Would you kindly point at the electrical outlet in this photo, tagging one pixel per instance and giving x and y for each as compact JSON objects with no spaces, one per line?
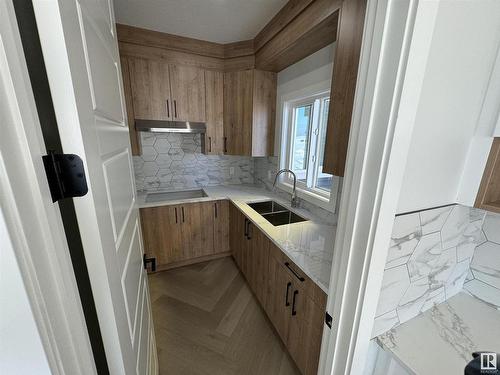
{"x":231,"y":171}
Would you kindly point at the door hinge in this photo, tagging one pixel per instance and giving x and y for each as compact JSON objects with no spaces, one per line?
{"x":328,"y":320}
{"x":65,"y":175}
{"x":149,"y":260}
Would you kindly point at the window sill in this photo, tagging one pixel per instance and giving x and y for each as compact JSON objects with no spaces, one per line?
{"x":310,"y":197}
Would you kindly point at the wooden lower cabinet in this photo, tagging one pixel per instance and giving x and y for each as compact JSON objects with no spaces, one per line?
{"x":294,"y":303}
{"x":181,"y":234}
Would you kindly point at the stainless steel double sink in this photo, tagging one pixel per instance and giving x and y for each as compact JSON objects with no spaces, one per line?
{"x":275,"y":213}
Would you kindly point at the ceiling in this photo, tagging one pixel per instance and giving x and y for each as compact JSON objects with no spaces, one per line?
{"x":221,"y":21}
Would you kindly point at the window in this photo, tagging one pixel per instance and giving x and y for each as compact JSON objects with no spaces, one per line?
{"x":305,"y":134}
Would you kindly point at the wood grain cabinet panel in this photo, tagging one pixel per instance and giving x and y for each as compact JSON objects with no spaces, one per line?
{"x":221,"y":226}
{"x":150,"y":83}
{"x":197,"y":229}
{"x":162,"y":234}
{"x":182,"y":234}
{"x":214,"y":107}
{"x":488,"y":196}
{"x":187,"y":85}
{"x":249,"y":112}
{"x":129,"y":106}
{"x":345,"y":74}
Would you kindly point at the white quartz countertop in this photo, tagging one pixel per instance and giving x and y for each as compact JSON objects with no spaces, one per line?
{"x":308,"y":244}
{"x":442,"y":339}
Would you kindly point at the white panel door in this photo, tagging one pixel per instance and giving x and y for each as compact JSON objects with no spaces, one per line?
{"x":83,"y":65}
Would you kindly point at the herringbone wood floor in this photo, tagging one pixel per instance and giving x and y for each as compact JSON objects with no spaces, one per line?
{"x":207,"y":322}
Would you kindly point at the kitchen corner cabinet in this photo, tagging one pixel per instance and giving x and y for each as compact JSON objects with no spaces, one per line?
{"x":214,"y":107}
{"x":162,"y":91}
{"x":249,"y":112}
{"x":183,"y":234}
{"x":294,"y":303}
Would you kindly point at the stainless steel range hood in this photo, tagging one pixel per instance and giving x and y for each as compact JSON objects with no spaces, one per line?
{"x":183,"y":127}
{"x":155,"y":126}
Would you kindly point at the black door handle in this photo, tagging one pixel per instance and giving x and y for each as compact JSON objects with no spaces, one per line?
{"x":287,"y":290}
{"x":294,"y":312}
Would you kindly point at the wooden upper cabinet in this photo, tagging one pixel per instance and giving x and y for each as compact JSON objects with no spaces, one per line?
{"x":238,"y":102}
{"x":162,"y":91}
{"x":214,"y":108}
{"x":150,"y":83}
{"x":187,"y":85}
{"x":127,"y":92}
{"x":345,"y":73}
{"x":249,"y":112}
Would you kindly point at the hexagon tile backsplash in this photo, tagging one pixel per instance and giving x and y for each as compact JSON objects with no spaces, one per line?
{"x":171,"y":161}
{"x":433,"y":255}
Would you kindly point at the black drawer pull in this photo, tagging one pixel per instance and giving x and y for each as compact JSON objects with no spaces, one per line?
{"x":246,"y":228}
{"x":294,"y":312}
{"x":176,"y":221}
{"x":287,"y":290}
{"x":294,"y":273}
{"x":182,"y":208}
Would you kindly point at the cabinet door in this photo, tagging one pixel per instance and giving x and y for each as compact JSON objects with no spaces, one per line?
{"x":188,"y":93}
{"x":264,"y":113}
{"x":238,"y":111}
{"x":129,"y":104}
{"x":214,"y":98}
{"x":197,"y":229}
{"x":161,"y":232}
{"x":297,"y":327}
{"x":279,"y":298}
{"x":237,"y":234}
{"x":221,"y":226}
{"x":259,"y":254}
{"x":313,"y":334}
{"x":149,"y":81}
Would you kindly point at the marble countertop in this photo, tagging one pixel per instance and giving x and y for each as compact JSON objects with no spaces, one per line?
{"x":308,"y":244}
{"x":442,"y":339}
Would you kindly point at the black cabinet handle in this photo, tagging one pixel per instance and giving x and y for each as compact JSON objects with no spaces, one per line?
{"x":168,"y":109}
{"x":225,"y":144}
{"x":175,"y":108}
{"x":215,"y":208}
{"x":209,"y":144}
{"x":294,"y":273}
{"x":287,"y":290}
{"x":295,"y":293}
{"x":182,"y":209}
{"x":249,"y":233}
{"x":246,"y":228}
{"x":176,"y":221}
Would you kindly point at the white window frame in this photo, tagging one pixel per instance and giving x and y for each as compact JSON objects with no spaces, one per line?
{"x":286,"y":104}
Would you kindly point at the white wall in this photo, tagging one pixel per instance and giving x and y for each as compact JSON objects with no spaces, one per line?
{"x":21,"y":350}
{"x":461,"y":57}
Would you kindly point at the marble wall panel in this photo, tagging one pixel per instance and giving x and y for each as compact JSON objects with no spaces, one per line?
{"x":431,"y":252}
